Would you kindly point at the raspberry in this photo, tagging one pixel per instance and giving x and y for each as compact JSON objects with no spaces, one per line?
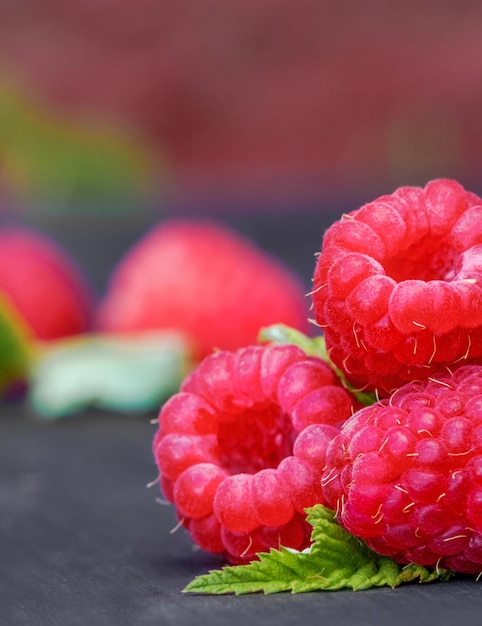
{"x":405,"y":474}
{"x":398,"y":286}
{"x":241,"y":447}
{"x":46,"y":287}
{"x":205,"y":280}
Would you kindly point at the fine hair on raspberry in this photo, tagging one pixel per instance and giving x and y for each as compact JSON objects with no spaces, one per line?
{"x":405,"y":474}
{"x":241,"y":447}
{"x":398,"y":286}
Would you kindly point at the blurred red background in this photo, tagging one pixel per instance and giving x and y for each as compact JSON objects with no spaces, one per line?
{"x":260,"y":97}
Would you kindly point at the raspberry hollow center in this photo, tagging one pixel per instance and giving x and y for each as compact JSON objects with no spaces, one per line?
{"x":432,"y":258}
{"x":259,"y":438}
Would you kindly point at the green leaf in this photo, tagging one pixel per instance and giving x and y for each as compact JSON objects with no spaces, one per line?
{"x":134,"y":373}
{"x":16,"y":347}
{"x":281,"y":333}
{"x":336,"y":560}
{"x":312,"y":346}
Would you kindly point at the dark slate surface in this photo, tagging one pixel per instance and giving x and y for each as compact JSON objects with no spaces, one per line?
{"x":83,"y":541}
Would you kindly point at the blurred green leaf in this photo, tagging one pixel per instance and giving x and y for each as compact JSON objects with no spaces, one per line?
{"x":129,"y":374}
{"x":16,"y":347}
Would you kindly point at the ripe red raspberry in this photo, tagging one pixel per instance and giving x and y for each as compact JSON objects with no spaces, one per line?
{"x":398,"y":286}
{"x":405,"y":474}
{"x":241,"y":447}
{"x":205,"y":280}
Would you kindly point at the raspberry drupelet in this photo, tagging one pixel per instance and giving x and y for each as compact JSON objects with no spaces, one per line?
{"x":398,"y":286}
{"x":405,"y":474}
{"x":241,"y":447}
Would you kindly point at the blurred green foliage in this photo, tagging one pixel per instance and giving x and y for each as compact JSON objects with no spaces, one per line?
{"x":16,"y":348}
{"x":57,"y":164}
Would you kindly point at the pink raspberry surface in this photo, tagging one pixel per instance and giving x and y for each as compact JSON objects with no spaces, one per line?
{"x":405,"y":474}
{"x":205,"y":280}
{"x":241,"y":447}
{"x":398,"y":286}
{"x":44,"y":284}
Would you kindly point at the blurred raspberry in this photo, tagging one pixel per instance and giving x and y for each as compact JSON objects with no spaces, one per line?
{"x":205,"y":280}
{"x":44,"y":284}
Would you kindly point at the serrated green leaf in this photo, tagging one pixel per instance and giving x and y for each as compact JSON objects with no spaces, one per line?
{"x":312,"y":346}
{"x":336,"y":560}
{"x":132,"y":373}
{"x":412,"y":571}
